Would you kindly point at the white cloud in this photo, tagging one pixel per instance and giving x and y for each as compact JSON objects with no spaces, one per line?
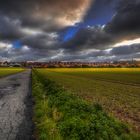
{"x":29,"y":31}
{"x":25,"y":48}
{"x":5,"y":46}
{"x":128,"y":42}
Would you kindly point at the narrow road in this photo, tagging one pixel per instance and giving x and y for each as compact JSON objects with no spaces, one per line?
{"x":16,"y":107}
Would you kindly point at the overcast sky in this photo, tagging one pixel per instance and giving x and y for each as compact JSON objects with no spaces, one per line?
{"x":69,"y":30}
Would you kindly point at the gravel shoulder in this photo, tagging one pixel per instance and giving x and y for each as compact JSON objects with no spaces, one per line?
{"x":16,"y":107}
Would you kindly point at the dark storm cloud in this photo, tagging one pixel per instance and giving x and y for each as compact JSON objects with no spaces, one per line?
{"x":9,"y":29}
{"x":124,"y":25}
{"x":37,"y":24}
{"x":118,"y":53}
{"x":35,"y":13}
{"x":126,"y":21}
{"x":42,"y":41}
{"x":88,"y":38}
{"x":125,"y":50}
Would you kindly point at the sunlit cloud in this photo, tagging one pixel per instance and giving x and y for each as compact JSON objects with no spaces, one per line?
{"x":128,"y":42}
{"x":25,"y":48}
{"x":5,"y":46}
{"x":29,"y":31}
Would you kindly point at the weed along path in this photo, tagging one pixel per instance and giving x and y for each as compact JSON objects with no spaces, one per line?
{"x":16,"y":107}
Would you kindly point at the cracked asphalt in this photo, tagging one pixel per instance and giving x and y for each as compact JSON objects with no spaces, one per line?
{"x":16,"y":107}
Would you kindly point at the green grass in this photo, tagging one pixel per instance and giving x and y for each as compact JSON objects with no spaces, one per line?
{"x":60,"y":115}
{"x":9,"y":71}
{"x":116,"y":89}
{"x":45,"y":126}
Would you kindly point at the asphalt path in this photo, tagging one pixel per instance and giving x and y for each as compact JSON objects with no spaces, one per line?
{"x":16,"y":107}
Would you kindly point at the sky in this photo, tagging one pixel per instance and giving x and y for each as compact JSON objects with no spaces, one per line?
{"x":69,"y":30}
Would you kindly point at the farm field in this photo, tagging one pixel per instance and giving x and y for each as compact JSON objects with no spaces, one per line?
{"x":117,"y":90}
{"x":9,"y":71}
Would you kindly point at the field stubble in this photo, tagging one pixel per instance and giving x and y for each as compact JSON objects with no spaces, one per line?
{"x":117,"y":90}
{"x":59,"y":115}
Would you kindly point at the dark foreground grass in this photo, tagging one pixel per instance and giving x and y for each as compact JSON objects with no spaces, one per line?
{"x":59,"y":115}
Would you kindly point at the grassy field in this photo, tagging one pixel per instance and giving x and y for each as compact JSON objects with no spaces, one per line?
{"x":60,"y":115}
{"x":9,"y":71}
{"x":117,"y":90}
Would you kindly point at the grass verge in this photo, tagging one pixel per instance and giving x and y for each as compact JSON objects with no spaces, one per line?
{"x":59,"y":115}
{"x":8,"y":71}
